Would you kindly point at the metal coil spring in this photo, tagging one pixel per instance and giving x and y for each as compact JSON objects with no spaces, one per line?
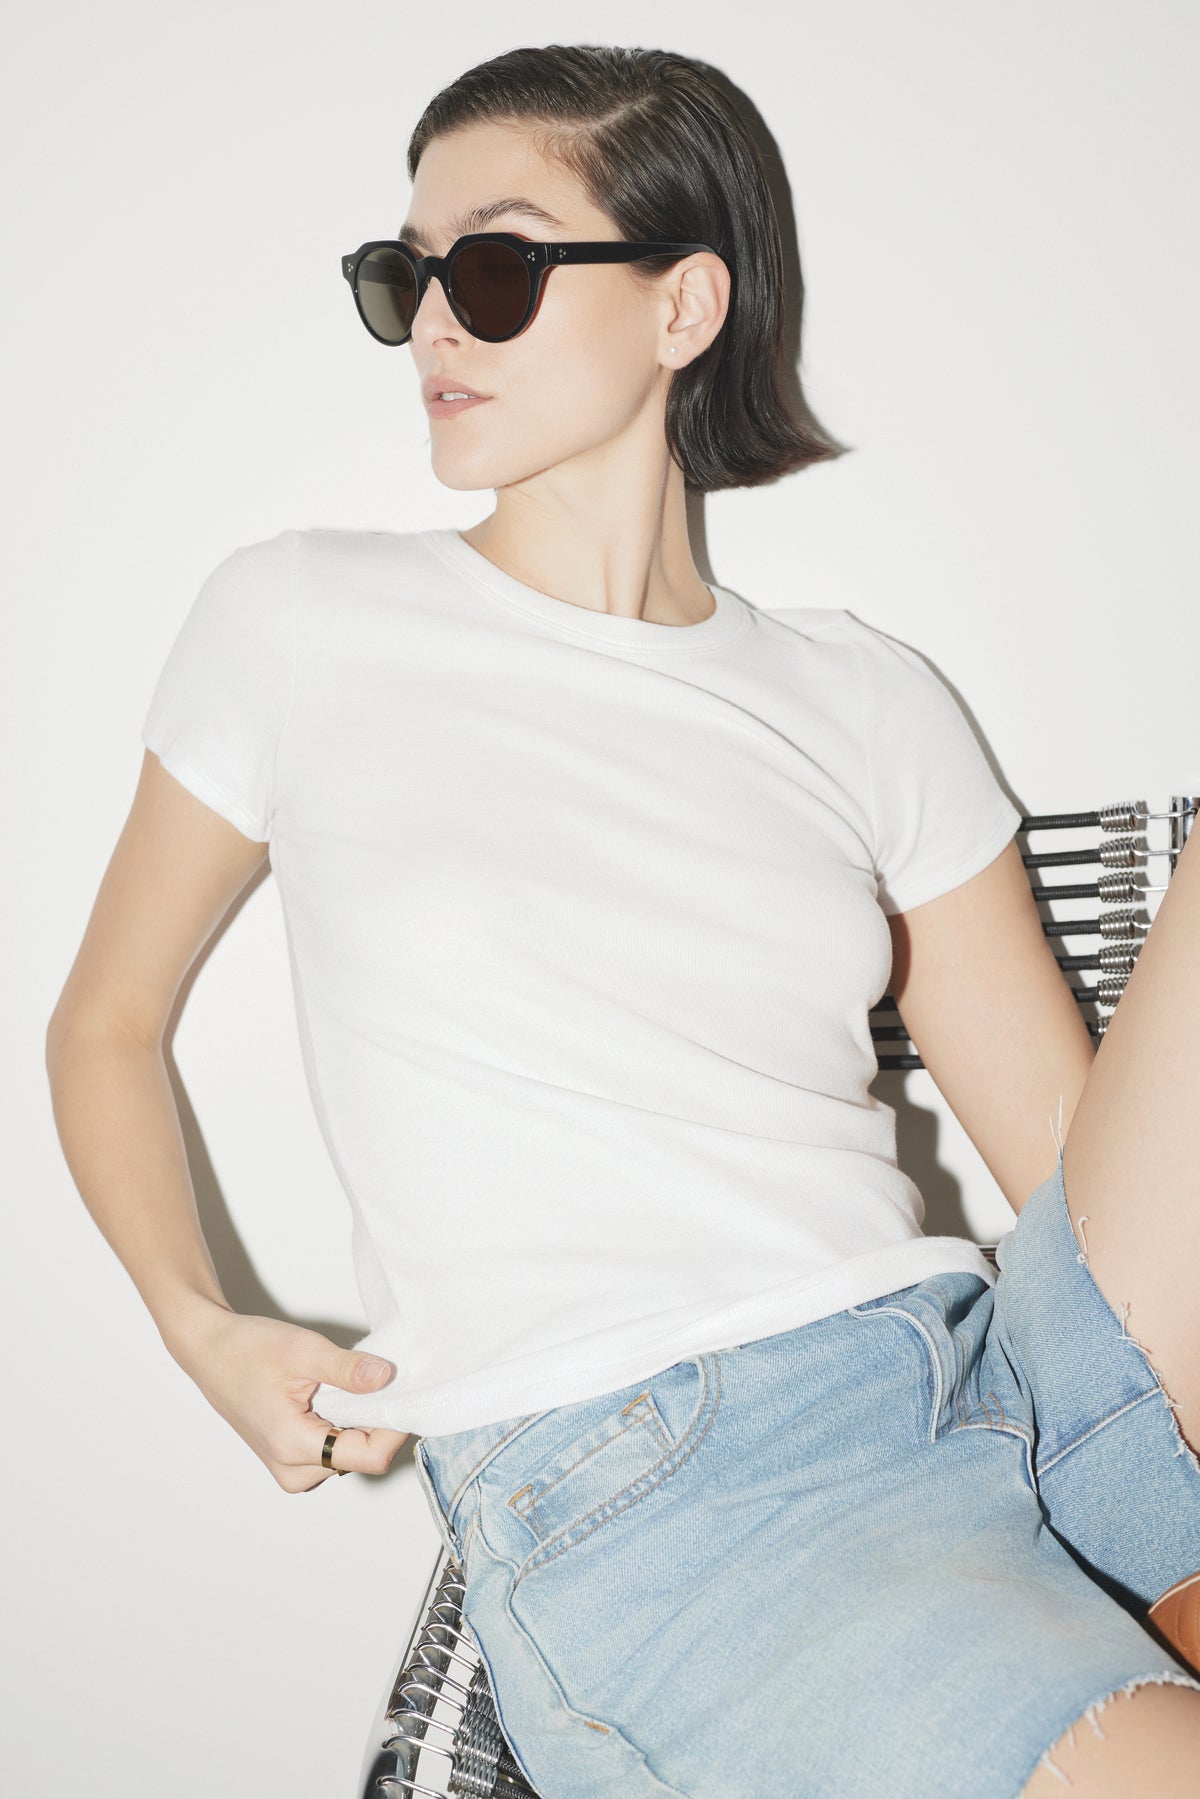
{"x":1125,"y":817}
{"x":444,"y":1671}
{"x":1121,"y":926}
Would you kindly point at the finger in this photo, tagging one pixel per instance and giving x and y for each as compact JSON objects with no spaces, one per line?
{"x":355,"y":1449}
{"x":345,"y":1368}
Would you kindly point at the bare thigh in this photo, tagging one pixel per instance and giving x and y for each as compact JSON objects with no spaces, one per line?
{"x":1130,"y":1164}
{"x":1150,"y":1746}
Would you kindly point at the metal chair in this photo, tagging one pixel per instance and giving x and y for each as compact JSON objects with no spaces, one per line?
{"x":436,"y":1731}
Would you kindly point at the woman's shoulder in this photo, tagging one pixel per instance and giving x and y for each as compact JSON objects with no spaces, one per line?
{"x":805,"y":621}
{"x":342,"y":564}
{"x":874,"y":646}
{"x":837,"y":621}
{"x":351,"y":543}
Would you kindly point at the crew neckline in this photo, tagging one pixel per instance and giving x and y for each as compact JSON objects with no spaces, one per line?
{"x":730,"y":617}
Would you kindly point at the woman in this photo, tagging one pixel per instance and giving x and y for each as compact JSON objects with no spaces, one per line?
{"x":591,"y":872}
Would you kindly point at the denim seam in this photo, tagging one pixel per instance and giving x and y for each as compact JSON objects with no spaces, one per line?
{"x":633,"y":1420}
{"x":573,"y":1533}
{"x":487,"y":1456}
{"x":440,"y":1520}
{"x":935,"y":1365}
{"x":573,"y":1711}
{"x":1010,"y":1430}
{"x":468,"y":1535}
{"x":477,"y":1639}
{"x":1150,"y":1393}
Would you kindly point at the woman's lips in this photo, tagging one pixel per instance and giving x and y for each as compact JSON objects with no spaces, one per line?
{"x":448,"y":409}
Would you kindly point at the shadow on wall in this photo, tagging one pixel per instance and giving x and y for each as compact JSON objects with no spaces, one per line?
{"x":917,"y":1137}
{"x":239,"y":1278}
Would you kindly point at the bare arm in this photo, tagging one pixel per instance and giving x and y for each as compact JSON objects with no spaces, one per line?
{"x":993,"y":1019}
{"x":176,"y":868}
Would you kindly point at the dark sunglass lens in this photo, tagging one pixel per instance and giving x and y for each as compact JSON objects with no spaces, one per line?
{"x":387,"y":294}
{"x":490,"y":287}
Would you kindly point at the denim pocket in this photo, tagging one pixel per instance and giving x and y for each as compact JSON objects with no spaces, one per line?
{"x":620,"y":1449}
{"x":571,"y":1474}
{"x":450,"y":1468}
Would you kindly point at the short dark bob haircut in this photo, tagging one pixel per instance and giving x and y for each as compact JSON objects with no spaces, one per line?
{"x":659,"y":147}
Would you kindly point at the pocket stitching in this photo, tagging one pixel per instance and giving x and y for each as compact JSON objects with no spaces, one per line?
{"x":488,"y":1454}
{"x":654,"y":1423}
{"x":574,"y":1533}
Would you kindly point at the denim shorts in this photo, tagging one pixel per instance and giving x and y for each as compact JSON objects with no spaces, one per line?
{"x":898,"y":1550}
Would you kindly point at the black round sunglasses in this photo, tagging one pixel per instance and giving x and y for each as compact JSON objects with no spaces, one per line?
{"x":492,"y":279}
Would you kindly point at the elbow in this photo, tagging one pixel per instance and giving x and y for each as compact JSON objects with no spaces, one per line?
{"x":69,"y":1026}
{"x":55,"y":1031}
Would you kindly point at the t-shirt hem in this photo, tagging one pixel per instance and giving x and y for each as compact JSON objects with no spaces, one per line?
{"x":554,"y":1379}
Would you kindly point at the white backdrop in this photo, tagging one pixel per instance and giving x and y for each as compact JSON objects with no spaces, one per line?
{"x":991,"y":207}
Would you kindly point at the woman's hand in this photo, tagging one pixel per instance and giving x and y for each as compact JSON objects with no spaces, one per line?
{"x":260,"y":1374}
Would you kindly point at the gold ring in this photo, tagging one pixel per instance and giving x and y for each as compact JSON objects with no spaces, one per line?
{"x":335,"y":1430}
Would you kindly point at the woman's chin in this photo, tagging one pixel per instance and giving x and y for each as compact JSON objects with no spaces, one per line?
{"x":467,"y":474}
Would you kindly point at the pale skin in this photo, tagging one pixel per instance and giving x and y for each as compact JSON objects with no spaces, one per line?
{"x":590,"y":509}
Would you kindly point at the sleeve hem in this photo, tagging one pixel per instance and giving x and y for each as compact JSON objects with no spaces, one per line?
{"x":295,"y":660}
{"x":856,"y":646}
{"x":202,"y":788}
{"x":956,"y":873}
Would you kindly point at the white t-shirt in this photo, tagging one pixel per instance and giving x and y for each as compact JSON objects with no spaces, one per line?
{"x":584,"y":914}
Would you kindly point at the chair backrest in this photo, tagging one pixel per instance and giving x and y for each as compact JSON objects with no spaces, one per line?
{"x":436,"y":1731}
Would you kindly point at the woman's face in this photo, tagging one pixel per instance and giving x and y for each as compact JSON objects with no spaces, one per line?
{"x":590,"y":366}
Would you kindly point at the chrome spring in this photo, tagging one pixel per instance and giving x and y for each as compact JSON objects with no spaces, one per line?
{"x":444,"y":1674}
{"x":1124,"y":816}
{"x":483,"y":1765}
{"x":1121,"y":924}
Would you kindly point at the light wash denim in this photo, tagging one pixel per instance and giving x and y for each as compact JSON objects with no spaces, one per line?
{"x":895,"y":1552}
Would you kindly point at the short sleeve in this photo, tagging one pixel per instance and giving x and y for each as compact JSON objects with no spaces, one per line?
{"x":221,"y":702}
{"x":939,"y":814}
